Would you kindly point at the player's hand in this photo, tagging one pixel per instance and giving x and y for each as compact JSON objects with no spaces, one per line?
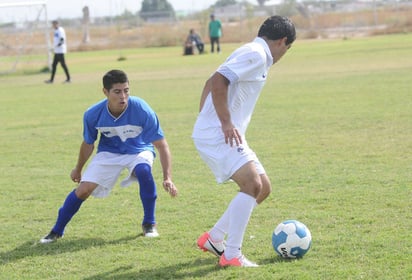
{"x":76,"y":175}
{"x":170,"y":187}
{"x":232,"y":135}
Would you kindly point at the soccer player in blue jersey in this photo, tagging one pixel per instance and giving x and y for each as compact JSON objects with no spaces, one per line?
{"x":129,"y":131}
{"x":226,"y":108}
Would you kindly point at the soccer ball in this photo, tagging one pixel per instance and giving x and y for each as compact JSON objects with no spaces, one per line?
{"x":291,"y":239}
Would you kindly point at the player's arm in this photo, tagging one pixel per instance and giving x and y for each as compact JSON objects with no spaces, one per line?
{"x":166,"y":162}
{"x":61,"y":38}
{"x":86,"y":151}
{"x":219,"y":88}
{"x":61,"y":41}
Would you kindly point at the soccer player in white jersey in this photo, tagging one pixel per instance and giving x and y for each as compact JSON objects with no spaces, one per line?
{"x":129,"y":131}
{"x":226,"y":106}
{"x":59,"y":48}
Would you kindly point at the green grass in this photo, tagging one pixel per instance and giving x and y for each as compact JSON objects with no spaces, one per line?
{"x":333,"y":128}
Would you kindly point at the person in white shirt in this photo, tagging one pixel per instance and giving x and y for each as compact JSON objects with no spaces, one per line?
{"x":226,"y":106}
{"x":59,"y":48}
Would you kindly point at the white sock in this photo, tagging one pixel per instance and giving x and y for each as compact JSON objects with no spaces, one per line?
{"x":218,"y":232}
{"x":239,"y":212}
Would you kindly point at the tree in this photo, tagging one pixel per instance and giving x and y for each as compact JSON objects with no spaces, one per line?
{"x":156,"y":9}
{"x":261,"y":2}
{"x":222,"y":3}
{"x":287,"y":8}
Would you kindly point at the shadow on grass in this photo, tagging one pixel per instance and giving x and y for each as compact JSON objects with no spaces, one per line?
{"x":190,"y":270}
{"x":187,"y":270}
{"x":30,"y":248}
{"x":275,"y":259}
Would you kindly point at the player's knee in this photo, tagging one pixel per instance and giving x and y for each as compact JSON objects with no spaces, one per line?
{"x":251,"y":187}
{"x":267,"y":189}
{"x":143,"y":173}
{"x":258,"y":187}
{"x":85,"y":189}
{"x":142,"y":170}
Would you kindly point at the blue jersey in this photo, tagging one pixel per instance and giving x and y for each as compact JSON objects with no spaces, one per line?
{"x":131,"y":133}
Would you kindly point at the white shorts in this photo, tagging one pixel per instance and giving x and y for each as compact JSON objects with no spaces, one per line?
{"x":225,"y":160}
{"x":105,"y":168}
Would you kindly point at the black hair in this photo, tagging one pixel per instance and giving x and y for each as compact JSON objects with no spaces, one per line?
{"x":114,"y":77}
{"x":278,"y":27}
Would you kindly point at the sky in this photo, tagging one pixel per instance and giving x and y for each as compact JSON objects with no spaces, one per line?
{"x":73,"y":8}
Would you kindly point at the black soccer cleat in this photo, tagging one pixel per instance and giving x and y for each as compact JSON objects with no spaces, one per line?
{"x":51,"y":237}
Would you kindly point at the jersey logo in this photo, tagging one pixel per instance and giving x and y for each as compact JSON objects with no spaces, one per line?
{"x":124,"y":132}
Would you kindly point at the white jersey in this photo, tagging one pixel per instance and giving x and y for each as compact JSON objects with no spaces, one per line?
{"x":246,"y":69}
{"x":59,"y":45}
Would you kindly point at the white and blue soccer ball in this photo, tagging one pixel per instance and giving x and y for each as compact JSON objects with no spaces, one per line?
{"x":291,"y":239}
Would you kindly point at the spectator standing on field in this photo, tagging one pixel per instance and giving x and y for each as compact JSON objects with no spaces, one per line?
{"x":215,"y":32}
{"x":60,"y":49}
{"x":226,"y":106}
{"x":129,"y":131}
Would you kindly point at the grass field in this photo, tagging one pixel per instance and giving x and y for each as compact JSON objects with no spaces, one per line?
{"x":333,"y":128}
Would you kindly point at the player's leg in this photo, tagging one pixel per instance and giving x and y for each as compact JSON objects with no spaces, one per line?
{"x":213,"y":240}
{"x":98,"y":179}
{"x":53,"y":70}
{"x":218,"y":44}
{"x":234,"y":221}
{"x":266,"y":189}
{"x":69,"y":208}
{"x":66,"y":70}
{"x":72,"y":204}
{"x":222,"y":159}
{"x":148,"y":196}
{"x":220,"y":229}
{"x":240,"y":209}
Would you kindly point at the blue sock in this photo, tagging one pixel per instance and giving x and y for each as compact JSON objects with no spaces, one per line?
{"x":70,"y":206}
{"x":147,"y":191}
